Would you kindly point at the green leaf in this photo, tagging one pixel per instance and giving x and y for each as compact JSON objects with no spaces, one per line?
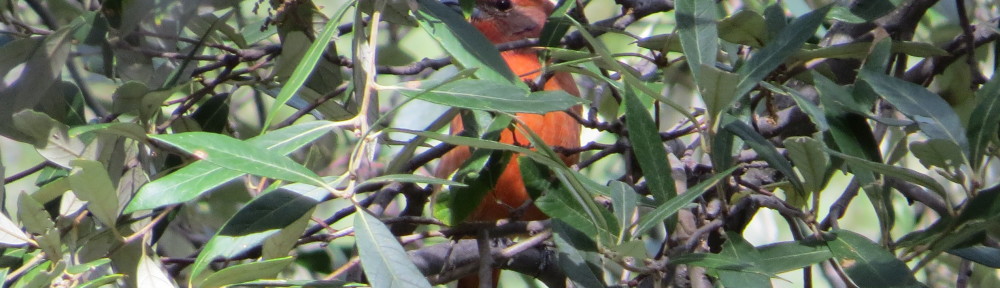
{"x":716,"y":88}
{"x":77,"y":269}
{"x":305,"y":68}
{"x":385,"y":262}
{"x":716,"y":261}
{"x":574,"y":207}
{"x":764,"y":149}
{"x":102,"y":281}
{"x":699,"y":35}
{"x":872,"y":9}
{"x":742,"y":251}
{"x":130,"y":130}
{"x":128,"y":97}
{"x":247,"y":272}
{"x":787,"y":256}
{"x":481,"y":174}
{"x":50,"y":137}
{"x":938,"y":153}
{"x":33,"y":215}
{"x":263,"y":217}
{"x":411,"y":178}
{"x":555,"y":27}
{"x":648,"y":148}
{"x":984,"y":120}
{"x":787,"y":43}
{"x":494,"y":96}
{"x":814,"y":112}
{"x":10,"y":233}
{"x":213,"y":114}
{"x":934,"y":116}
{"x":466,"y":45}
{"x":675,"y":204}
{"x":852,"y":135}
{"x":894,"y":171}
{"x":867,"y":263}
{"x":572,"y":257}
{"x":238,"y":155}
{"x":810,"y":160}
{"x":199,"y":177}
{"x":150,"y":271}
{"x":90,"y":182}
{"x":287,"y":238}
{"x":624,"y":202}
{"x":744,"y":27}
{"x":295,"y":283}
{"x":987,"y":256}
{"x":43,"y":61}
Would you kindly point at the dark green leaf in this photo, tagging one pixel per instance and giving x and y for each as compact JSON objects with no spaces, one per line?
{"x":872,"y":9}
{"x":788,"y":41}
{"x":43,"y":63}
{"x":934,"y":116}
{"x":699,"y":35}
{"x":742,"y":251}
{"x":572,"y":258}
{"x":868,"y":264}
{"x":555,"y":28}
{"x":261,"y":218}
{"x":988,"y":256}
{"x":984,"y":120}
{"x":765,"y":149}
{"x":648,"y":148}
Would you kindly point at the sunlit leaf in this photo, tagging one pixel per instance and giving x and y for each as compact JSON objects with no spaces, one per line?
{"x":200,"y":177}
{"x":247,"y":272}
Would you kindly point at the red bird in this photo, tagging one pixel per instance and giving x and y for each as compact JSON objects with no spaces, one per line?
{"x":504,"y":21}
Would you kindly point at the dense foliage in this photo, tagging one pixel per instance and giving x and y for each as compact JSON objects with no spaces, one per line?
{"x":154,"y":143}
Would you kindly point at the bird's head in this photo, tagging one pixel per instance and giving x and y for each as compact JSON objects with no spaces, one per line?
{"x":509,"y":20}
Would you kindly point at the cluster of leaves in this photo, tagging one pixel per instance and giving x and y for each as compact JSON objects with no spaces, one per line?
{"x":175,"y":147}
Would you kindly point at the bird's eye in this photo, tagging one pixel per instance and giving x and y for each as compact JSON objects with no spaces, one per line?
{"x":504,"y":5}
